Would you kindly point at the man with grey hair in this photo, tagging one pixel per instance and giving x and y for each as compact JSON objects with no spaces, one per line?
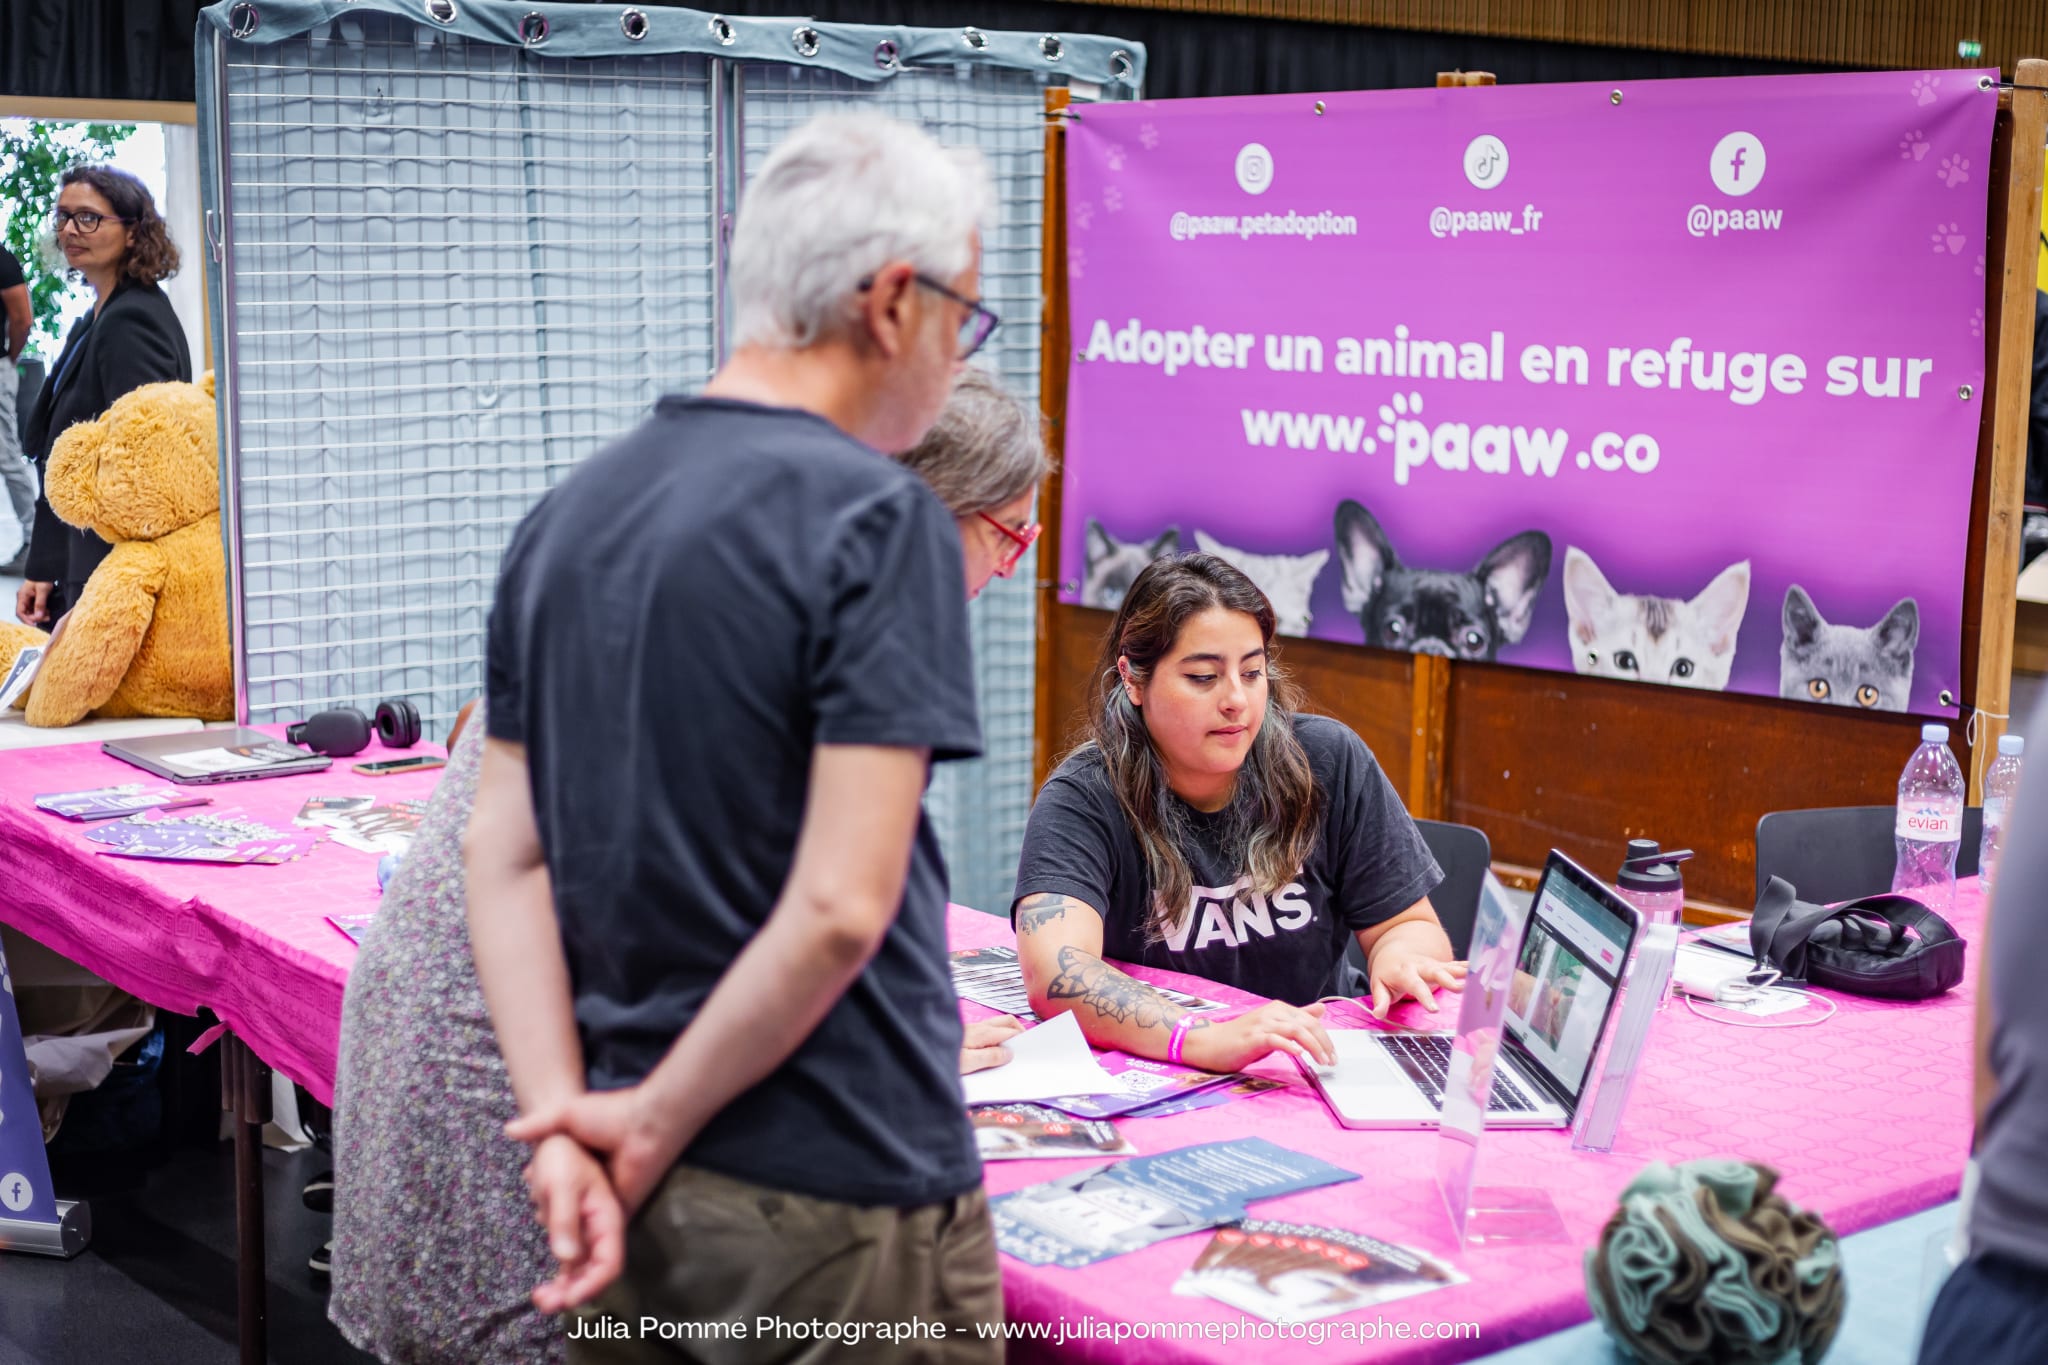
{"x":706,"y":908}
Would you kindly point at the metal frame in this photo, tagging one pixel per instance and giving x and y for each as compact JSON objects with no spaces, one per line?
{"x":343,"y":591}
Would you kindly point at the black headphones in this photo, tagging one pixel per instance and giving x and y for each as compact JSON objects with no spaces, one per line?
{"x":346,"y":731}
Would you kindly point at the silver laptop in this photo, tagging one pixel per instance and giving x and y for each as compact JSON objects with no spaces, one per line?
{"x":203,"y":757}
{"x":1559,"y":1007}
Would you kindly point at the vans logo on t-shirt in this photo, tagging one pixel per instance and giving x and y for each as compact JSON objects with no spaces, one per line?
{"x":1230,"y":915}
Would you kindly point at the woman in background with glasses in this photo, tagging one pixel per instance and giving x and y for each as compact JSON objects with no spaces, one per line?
{"x":435,"y":1252}
{"x":985,"y":460}
{"x":110,"y":233}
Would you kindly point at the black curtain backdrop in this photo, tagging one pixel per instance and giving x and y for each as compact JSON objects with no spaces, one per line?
{"x":97,"y":49}
{"x":142,"y":49}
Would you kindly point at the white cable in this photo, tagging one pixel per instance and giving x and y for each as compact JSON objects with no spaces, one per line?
{"x":1976,"y":750}
{"x":1730,"y":994}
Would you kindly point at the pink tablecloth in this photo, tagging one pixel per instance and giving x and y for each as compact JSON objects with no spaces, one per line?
{"x":1866,"y":1115}
{"x":251,"y":942}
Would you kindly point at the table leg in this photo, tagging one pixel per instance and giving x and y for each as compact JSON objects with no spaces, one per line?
{"x":245,"y":1089}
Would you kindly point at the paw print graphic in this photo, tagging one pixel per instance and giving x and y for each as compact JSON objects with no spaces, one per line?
{"x":1115,"y":155}
{"x":1977,"y":323}
{"x":1979,"y":270}
{"x":1084,"y":215}
{"x":1949,"y":237}
{"x":1149,"y":137}
{"x":1954,"y":170}
{"x":1391,"y":412}
{"x":1913,"y":146}
{"x":1077,"y":263}
{"x":1923,"y":89}
{"x":1113,"y":199}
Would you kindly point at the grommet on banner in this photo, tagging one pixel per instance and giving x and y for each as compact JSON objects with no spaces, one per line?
{"x":1051,"y":48}
{"x":974,"y":38}
{"x":633,"y":23}
{"x":1986,"y":83}
{"x":805,"y":40}
{"x":722,"y":31}
{"x":1121,"y":67}
{"x":1964,"y":393}
{"x":1614,"y":98}
{"x":1070,"y":586}
{"x":441,"y":11}
{"x":1319,"y":108}
{"x":887,"y":57}
{"x":533,"y":29}
{"x":243,"y":20}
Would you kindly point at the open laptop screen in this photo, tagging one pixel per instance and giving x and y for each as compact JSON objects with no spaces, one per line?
{"x":1564,"y":986}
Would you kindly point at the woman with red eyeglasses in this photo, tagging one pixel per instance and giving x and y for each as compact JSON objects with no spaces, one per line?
{"x":985,"y":458}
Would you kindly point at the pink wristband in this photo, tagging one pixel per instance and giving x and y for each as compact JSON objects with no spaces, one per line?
{"x":1180,"y":1036}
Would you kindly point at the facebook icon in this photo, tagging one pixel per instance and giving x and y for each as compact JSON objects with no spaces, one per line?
{"x":1737,"y":164}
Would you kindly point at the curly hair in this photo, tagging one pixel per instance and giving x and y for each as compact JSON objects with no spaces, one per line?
{"x":151,"y":257}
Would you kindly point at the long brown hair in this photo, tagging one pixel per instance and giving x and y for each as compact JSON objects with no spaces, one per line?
{"x":1273,"y":817}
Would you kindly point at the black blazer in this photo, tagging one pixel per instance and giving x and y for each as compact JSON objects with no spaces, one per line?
{"x":135,"y":340}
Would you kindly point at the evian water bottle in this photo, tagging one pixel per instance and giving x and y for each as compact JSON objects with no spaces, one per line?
{"x":2001,"y":784}
{"x":1930,"y":823}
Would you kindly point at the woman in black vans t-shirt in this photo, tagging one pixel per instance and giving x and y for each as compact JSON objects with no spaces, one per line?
{"x":1209,"y":828}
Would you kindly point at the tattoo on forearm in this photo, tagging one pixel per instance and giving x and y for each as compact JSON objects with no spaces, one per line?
{"x":1035,"y":912}
{"x":1088,"y":980}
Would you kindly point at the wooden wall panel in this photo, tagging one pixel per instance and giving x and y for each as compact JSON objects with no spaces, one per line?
{"x":1853,"y":33}
{"x":1541,"y":760}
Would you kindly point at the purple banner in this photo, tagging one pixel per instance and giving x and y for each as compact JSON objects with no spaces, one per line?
{"x":1676,"y":381}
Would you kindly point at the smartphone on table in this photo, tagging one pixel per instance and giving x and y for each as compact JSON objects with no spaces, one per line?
{"x":385,"y":767}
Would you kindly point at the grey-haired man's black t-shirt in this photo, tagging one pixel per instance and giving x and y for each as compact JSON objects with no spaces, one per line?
{"x":1368,"y":865}
{"x":678,"y":626}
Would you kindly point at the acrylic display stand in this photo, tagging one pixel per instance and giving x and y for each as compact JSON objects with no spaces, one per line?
{"x":1483,"y":1215}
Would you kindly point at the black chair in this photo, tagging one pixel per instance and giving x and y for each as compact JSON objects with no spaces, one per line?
{"x":1465,"y":854}
{"x":1842,"y":852}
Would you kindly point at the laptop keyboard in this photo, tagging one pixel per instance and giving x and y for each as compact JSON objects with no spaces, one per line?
{"x":1427,"y":1060}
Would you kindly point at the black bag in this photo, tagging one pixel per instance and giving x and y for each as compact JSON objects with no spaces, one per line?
{"x":1889,"y":946}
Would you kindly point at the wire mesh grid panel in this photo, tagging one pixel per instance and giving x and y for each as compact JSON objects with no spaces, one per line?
{"x":978,"y":808}
{"x":458,"y":269}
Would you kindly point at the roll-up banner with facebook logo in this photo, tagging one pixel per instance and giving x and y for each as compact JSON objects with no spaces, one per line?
{"x":25,"y":1194}
{"x":1676,"y":381}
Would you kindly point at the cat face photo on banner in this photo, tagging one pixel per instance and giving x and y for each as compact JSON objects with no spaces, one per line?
{"x":1531,"y":375}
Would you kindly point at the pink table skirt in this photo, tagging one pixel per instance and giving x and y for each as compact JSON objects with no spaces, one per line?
{"x":1866,"y":1115}
{"x":253,"y":943}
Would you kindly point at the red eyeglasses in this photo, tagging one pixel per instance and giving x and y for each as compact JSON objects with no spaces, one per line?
{"x":1020,"y":541}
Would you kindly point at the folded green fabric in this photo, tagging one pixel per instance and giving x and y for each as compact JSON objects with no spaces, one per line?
{"x":1704,"y":1265}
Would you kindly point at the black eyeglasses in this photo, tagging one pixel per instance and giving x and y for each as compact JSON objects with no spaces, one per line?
{"x":86,"y":221}
{"x":975,"y":329}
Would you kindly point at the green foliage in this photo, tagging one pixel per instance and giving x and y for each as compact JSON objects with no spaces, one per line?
{"x":33,"y":159}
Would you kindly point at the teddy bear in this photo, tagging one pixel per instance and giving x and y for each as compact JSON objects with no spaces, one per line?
{"x":149,"y":635}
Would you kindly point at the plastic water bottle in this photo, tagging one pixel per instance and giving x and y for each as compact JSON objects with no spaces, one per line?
{"x":1930,"y":822}
{"x":2001,"y":784}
